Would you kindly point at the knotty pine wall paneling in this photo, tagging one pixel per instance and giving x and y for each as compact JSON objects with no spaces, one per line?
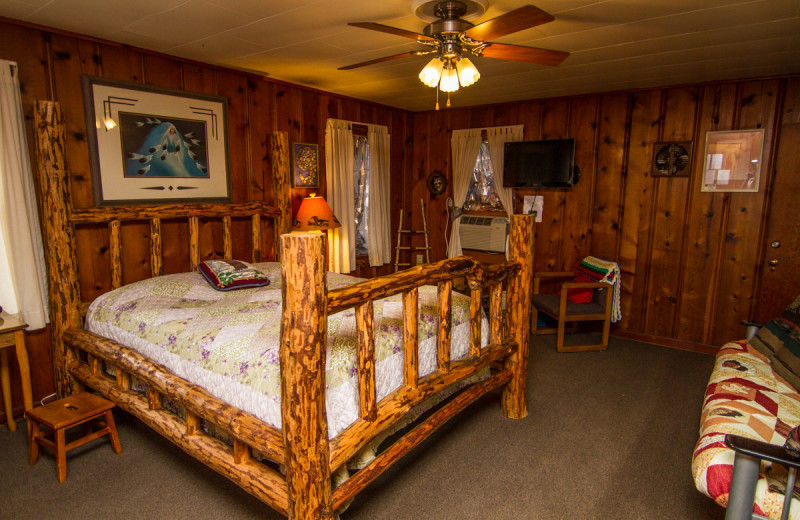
{"x":756,"y":108}
{"x":705,"y":222}
{"x":609,"y":176}
{"x":671,"y":199}
{"x":636,"y":232}
{"x":435,"y":207}
{"x":554,"y":125}
{"x":576,"y":218}
{"x":261,"y":121}
{"x":691,"y":261}
{"x":781,"y":225}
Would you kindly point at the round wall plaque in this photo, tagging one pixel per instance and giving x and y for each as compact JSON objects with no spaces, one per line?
{"x":437,"y":183}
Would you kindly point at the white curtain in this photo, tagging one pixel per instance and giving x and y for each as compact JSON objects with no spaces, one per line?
{"x":464,"y":146}
{"x":497,"y":137}
{"x":23,"y":278}
{"x":339,"y":171}
{"x":379,"y":221}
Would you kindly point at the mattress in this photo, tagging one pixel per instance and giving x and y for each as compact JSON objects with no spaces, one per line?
{"x":228,"y":342}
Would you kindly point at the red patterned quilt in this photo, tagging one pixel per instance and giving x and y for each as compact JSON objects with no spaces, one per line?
{"x":744,"y":396}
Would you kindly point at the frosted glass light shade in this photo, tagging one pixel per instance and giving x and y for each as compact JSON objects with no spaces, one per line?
{"x":467,"y":73}
{"x":449,"y":80}
{"x":432,"y":72}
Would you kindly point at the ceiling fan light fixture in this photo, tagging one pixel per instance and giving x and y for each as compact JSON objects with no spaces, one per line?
{"x":449,"y":81}
{"x":432,"y":72}
{"x":467,"y":72}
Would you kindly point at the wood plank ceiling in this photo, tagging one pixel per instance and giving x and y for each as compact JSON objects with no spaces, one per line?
{"x":613,"y":44}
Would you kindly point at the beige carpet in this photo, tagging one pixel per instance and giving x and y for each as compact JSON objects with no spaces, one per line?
{"x":609,"y":435}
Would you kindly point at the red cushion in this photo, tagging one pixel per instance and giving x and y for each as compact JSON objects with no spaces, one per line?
{"x":581,"y":295}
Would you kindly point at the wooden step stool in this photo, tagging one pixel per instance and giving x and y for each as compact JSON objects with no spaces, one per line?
{"x":82,"y":408}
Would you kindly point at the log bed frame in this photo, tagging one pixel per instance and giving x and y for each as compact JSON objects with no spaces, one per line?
{"x":298,"y":485}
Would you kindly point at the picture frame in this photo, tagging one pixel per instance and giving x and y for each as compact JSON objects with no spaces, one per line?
{"x":305,"y":165}
{"x":152,"y":145}
{"x":672,"y":159}
{"x":732,"y":160}
{"x":436,"y":182}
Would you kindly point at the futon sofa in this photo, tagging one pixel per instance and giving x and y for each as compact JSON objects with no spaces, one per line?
{"x":752,"y":393}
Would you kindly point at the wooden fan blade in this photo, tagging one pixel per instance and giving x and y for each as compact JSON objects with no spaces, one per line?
{"x":504,"y":51}
{"x":392,"y":30}
{"x":385,"y":58}
{"x":517,"y":20}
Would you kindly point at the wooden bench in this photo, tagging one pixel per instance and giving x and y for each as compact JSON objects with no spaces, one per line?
{"x":81,"y":408}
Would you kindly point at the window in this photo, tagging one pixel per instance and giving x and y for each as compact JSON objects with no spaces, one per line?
{"x":482,"y":194}
{"x":357,"y":170}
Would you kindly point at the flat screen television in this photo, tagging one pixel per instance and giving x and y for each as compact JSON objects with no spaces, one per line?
{"x":540,"y":164}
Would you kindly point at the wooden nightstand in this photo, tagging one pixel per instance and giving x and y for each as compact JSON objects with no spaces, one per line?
{"x":12,"y":334}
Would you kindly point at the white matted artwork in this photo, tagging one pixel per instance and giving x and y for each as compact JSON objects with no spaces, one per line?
{"x":155,"y":145}
{"x":533,"y":205}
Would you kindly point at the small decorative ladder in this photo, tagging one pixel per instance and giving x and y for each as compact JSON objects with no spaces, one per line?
{"x":401,"y":232}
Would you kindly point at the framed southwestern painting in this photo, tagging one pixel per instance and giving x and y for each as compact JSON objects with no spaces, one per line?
{"x":155,"y":145}
{"x":305,"y":165}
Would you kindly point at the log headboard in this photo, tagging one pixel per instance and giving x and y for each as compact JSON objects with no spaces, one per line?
{"x":66,"y":306}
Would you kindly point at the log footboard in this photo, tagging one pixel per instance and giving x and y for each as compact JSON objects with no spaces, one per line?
{"x":234,"y":462}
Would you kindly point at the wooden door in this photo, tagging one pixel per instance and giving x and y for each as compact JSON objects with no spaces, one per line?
{"x":780,"y":283}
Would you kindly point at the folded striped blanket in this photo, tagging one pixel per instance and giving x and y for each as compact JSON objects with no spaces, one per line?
{"x":592,"y":269}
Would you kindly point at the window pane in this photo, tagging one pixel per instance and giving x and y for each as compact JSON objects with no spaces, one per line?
{"x":482,"y":194}
{"x":361,"y":192}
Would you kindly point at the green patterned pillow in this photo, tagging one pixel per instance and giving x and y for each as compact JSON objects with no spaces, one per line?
{"x":227,"y":275}
{"x":779,"y":340}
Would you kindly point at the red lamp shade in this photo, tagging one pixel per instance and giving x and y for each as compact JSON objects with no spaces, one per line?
{"x":315,"y":215}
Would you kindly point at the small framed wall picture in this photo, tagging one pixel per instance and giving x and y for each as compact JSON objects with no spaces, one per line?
{"x":732,"y":160}
{"x":672,"y":159}
{"x":305,"y":165}
{"x":437,"y":183}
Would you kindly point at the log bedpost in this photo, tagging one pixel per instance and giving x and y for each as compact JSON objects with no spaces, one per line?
{"x":302,"y":356}
{"x":521,"y":251}
{"x":59,"y":235}
{"x":281,"y":182}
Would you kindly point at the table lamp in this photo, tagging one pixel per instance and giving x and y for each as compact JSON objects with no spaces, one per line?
{"x":314,"y":215}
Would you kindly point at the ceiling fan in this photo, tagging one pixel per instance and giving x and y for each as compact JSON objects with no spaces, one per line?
{"x":451,"y":38}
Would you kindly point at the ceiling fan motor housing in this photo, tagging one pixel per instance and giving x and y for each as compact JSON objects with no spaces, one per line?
{"x":449,"y":27}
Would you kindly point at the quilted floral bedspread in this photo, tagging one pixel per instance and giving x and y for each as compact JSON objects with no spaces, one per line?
{"x":227,"y":342}
{"x":745,"y":397}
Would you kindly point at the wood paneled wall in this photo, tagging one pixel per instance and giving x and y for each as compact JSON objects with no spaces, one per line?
{"x":690,"y":260}
{"x":50,"y":67}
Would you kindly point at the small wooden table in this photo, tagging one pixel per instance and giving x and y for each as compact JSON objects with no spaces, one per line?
{"x":12,"y":334}
{"x":59,"y":416}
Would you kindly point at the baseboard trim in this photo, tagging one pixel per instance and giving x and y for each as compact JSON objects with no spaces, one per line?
{"x":666,"y":342}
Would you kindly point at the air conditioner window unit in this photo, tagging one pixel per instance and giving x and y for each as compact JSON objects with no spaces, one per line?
{"x":484,"y":233}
